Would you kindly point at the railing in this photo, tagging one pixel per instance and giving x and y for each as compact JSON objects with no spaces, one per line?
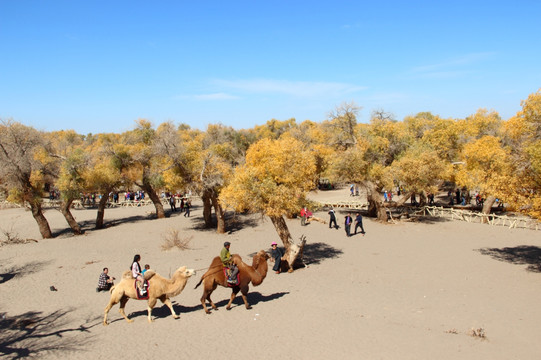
{"x":78,"y":204}
{"x":522,"y":222}
{"x":513,"y":222}
{"x":345,"y":204}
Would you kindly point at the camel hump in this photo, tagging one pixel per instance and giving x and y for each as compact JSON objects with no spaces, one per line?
{"x":236,"y":259}
{"x":149,"y":274}
{"x":127,"y":274}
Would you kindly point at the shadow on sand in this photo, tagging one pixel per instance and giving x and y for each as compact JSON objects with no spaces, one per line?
{"x":90,"y":225}
{"x":163,"y":311}
{"x":315,"y":253}
{"x":33,"y":334}
{"x":233,"y":222}
{"x":519,"y":255}
{"x":23,"y":270}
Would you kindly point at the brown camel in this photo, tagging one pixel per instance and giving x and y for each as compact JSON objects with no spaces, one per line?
{"x":159,"y":288}
{"x":215,"y":276}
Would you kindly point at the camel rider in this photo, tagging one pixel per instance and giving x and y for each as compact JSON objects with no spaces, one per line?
{"x":136,"y":274}
{"x":227,"y":262}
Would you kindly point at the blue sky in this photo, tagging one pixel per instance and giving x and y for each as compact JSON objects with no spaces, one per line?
{"x":97,"y":66}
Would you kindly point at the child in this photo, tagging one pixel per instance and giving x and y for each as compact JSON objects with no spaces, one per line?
{"x":147,"y":266}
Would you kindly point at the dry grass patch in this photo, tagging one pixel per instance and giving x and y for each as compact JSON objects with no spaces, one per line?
{"x":478,"y":333}
{"x":172,"y":239}
{"x":11,"y":237}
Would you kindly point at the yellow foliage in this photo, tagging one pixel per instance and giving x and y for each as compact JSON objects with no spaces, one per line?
{"x":480,"y":124}
{"x":420,"y":169}
{"x":381,"y":176}
{"x":444,"y":137}
{"x":275,"y":179}
{"x":487,"y":167}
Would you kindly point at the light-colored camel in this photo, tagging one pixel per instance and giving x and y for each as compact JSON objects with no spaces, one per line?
{"x":158,"y":288}
{"x":254,"y":274}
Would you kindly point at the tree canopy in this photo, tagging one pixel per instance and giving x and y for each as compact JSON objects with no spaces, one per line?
{"x":270,"y":168}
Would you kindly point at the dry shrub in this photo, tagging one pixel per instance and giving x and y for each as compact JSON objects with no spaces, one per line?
{"x":11,"y":237}
{"x":478,"y":333}
{"x":172,"y":239}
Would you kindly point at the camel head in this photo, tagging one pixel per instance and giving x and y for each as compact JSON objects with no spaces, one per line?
{"x":185,"y":271}
{"x":263,"y":255}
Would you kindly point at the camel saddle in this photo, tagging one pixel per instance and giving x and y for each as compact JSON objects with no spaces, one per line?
{"x":227,"y":274}
{"x":138,"y":292}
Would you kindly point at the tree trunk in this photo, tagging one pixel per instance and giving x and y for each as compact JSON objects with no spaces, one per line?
{"x":149,"y":190}
{"x":293,"y":252}
{"x":376,"y":207}
{"x":65,"y":209}
{"x":101,"y":210}
{"x":422,"y":198}
{"x":487,"y":207}
{"x":220,"y":215}
{"x":207,"y":209}
{"x":43,"y":225}
{"x":404,"y":199}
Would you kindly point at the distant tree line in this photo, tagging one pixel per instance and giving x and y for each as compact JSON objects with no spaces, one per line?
{"x":270,"y":168}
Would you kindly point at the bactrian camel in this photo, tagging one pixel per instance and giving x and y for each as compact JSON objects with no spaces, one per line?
{"x":215,"y":276}
{"x":159,"y":288}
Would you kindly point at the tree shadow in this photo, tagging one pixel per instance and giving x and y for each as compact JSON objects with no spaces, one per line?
{"x":26,"y":269}
{"x":519,"y":255}
{"x":33,"y":334}
{"x":237,"y":222}
{"x":90,"y":225}
{"x":427,"y":219}
{"x":315,"y":253}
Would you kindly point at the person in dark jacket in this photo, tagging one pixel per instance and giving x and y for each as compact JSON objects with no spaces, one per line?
{"x":332,"y":220}
{"x":277,"y":255}
{"x":359,"y":222}
{"x":347,"y":224}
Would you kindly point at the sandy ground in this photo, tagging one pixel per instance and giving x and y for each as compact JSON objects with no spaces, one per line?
{"x":402,"y":291}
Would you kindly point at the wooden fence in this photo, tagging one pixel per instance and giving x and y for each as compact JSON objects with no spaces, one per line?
{"x":522,"y":222}
{"x":519,"y":221}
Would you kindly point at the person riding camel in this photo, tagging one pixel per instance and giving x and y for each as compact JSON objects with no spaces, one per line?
{"x":227,"y":261}
{"x":137,"y":274}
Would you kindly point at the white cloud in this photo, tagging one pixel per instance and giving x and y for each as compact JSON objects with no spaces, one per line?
{"x":293,"y":88}
{"x":453,"y":67}
{"x":216,"y":96}
{"x":209,"y":97}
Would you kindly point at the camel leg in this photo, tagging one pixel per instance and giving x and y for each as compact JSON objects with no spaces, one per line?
{"x":233,"y":295}
{"x":167,"y":302}
{"x":204,"y":305}
{"x":112,"y":303}
{"x":244,"y":292}
{"x":214,"y":307}
{"x":150,"y":306}
{"x":205,"y":297}
{"x":115,"y":298}
{"x":123,"y":302}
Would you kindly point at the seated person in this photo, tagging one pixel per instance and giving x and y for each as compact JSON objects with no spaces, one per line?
{"x":147,"y":267}
{"x":227,"y":262}
{"x":105,"y":281}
